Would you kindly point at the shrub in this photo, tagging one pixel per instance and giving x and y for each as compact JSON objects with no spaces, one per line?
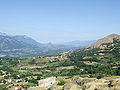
{"x":60,"y":83}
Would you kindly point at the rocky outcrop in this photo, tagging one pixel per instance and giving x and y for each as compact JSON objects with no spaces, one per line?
{"x":47,"y":82}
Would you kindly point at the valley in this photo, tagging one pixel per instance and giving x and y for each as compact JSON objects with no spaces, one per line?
{"x":24,"y":46}
{"x":96,"y":67}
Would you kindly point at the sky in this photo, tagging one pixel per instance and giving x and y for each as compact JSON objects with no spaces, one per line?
{"x":60,"y":20}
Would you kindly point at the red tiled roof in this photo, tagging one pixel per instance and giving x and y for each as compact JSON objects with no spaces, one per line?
{"x":110,"y":79}
{"x":19,"y":86}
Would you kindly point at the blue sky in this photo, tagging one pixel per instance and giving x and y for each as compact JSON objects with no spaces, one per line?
{"x":60,"y":20}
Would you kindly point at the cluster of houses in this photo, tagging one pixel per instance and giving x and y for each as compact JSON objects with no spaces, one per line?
{"x":44,"y":83}
{"x":5,"y":80}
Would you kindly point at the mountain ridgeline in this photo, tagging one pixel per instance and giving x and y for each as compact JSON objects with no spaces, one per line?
{"x":22,"y":45}
{"x":10,"y":45}
{"x":28,"y":40}
{"x":108,"y":39}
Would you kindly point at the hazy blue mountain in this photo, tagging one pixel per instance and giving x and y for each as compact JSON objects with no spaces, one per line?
{"x":28,"y":40}
{"x":8,"y":43}
{"x":22,"y":45}
{"x":80,"y":43}
{"x":11,"y":46}
{"x":3,"y":34}
{"x":49,"y":46}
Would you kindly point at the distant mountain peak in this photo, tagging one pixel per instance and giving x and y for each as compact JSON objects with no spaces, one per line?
{"x":3,"y":34}
{"x":23,"y":36}
{"x":50,"y":45}
{"x":107,"y":39}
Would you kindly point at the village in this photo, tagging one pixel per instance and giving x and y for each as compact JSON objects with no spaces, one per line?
{"x":60,"y":83}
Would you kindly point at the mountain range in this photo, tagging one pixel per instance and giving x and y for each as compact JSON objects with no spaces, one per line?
{"x":22,"y":45}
